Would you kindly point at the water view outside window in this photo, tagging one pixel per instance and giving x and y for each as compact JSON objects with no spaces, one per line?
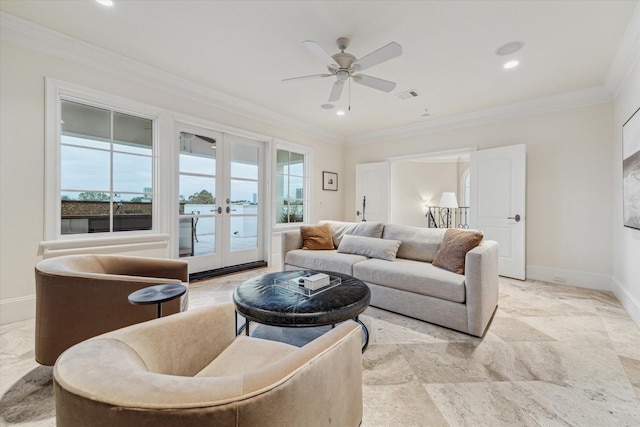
{"x":106,"y":170}
{"x":290,"y":178}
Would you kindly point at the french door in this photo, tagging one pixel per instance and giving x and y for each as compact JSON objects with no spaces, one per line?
{"x":220,"y":188}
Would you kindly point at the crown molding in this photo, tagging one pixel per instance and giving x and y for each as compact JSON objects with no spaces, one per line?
{"x":627,"y":56}
{"x":34,"y":36}
{"x":564,"y":101}
{"x":26,"y":33}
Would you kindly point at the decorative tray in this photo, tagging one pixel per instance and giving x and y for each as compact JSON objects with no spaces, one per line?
{"x":291,"y":282}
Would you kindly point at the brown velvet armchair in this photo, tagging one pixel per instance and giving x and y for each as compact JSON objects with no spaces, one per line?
{"x":192,"y":370}
{"x":81,"y":296}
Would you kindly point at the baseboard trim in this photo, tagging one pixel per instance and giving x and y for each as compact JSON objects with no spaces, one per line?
{"x":628,"y":301}
{"x":601,"y":282}
{"x":17,"y":309}
{"x":226,"y":270}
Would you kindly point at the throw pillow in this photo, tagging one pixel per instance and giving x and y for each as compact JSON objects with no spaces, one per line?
{"x":454,"y":248}
{"x":316,"y":237}
{"x":371,"y":247}
{"x":367,"y":229}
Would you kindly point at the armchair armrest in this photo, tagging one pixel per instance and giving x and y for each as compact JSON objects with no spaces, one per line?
{"x":481,"y":279}
{"x":291,"y":240}
{"x":141,"y":266}
{"x":182,"y":344}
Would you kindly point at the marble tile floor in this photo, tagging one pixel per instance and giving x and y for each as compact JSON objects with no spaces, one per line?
{"x":553,"y":356}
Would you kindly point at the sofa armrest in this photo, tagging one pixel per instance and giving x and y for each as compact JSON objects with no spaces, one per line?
{"x":481,"y":279}
{"x":291,"y":240}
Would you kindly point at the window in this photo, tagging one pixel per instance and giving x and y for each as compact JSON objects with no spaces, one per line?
{"x":291,"y":184}
{"x":106,"y":170}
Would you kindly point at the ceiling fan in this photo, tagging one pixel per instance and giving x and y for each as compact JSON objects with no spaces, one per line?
{"x":343,"y":66}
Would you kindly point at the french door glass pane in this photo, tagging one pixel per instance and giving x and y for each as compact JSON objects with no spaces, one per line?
{"x":244,"y":192}
{"x":244,"y":231}
{"x":244,"y":161}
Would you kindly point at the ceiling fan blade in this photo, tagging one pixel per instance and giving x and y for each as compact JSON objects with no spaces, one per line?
{"x":312,"y":76}
{"x":374,"y":82}
{"x":336,"y":91}
{"x":322,"y":54}
{"x":381,"y":55}
{"x":206,"y":138}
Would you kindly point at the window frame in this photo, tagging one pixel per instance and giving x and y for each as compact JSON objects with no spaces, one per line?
{"x":306,"y":179}
{"x":55,"y":92}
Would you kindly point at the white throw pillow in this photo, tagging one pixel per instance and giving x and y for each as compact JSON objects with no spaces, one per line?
{"x":371,"y":247}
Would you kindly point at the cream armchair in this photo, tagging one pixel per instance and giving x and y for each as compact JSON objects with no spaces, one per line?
{"x":81,"y":296}
{"x":191,"y":369}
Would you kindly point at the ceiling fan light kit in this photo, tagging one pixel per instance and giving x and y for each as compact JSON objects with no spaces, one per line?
{"x":344,"y":65}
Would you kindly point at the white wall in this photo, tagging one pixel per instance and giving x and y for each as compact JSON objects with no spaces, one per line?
{"x":415,"y":182}
{"x":22,"y":79}
{"x":626,"y":241}
{"x":569,"y":179}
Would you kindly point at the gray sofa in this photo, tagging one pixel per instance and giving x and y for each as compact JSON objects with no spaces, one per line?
{"x":408,"y":283}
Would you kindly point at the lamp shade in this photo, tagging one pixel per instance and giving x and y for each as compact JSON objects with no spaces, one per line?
{"x":448,"y":200}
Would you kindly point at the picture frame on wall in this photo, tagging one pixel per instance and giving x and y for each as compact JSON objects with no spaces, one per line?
{"x":329,"y":181}
{"x":631,"y":171}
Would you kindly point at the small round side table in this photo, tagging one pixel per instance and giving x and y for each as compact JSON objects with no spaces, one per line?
{"x":157,"y":295}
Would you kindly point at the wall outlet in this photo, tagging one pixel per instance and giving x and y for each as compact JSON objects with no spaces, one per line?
{"x":559,"y":279}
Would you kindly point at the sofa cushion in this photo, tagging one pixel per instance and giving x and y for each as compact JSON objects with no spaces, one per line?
{"x":369,"y":246}
{"x":454,"y":248}
{"x":323,"y":260}
{"x":420,"y":244}
{"x":316,"y":237}
{"x":413,"y":276}
{"x":366,"y":229}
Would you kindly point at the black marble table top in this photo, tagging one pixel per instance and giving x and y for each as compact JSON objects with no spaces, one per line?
{"x":259,"y":300}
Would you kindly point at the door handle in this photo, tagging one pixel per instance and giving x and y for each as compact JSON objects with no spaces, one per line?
{"x":228,"y":209}
{"x":357,"y":213}
{"x":517,"y":218}
{"x":219,"y":209}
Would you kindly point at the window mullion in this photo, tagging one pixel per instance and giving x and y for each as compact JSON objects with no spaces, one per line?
{"x":111,"y":194}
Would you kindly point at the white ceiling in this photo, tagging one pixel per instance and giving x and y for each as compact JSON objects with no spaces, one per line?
{"x":245,"y":48}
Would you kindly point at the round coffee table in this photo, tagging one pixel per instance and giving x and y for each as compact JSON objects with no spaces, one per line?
{"x":261,"y":301}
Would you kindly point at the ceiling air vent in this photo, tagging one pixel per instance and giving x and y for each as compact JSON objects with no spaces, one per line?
{"x":408,"y":94}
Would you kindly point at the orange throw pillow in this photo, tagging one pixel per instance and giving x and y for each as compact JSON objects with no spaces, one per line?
{"x":454,"y":247}
{"x":316,"y":237}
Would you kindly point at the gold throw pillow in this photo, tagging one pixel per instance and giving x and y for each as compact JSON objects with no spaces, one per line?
{"x":316,"y":237}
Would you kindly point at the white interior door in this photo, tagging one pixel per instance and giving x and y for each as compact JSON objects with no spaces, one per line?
{"x":498,"y":194}
{"x":372,"y":192}
{"x":220,"y":190}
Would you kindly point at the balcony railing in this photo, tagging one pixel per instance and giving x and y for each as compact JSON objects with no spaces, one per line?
{"x":447,"y":217}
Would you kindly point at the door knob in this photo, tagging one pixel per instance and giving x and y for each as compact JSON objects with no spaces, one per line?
{"x":517,"y":218}
{"x":357,"y":213}
{"x":228,"y":209}
{"x":219,"y":209}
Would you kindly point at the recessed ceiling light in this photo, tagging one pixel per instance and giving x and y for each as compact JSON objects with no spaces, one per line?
{"x":105,"y":2}
{"x":327,"y":106}
{"x":511,"y":64}
{"x":509,"y":48}
{"x":340,"y":112}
